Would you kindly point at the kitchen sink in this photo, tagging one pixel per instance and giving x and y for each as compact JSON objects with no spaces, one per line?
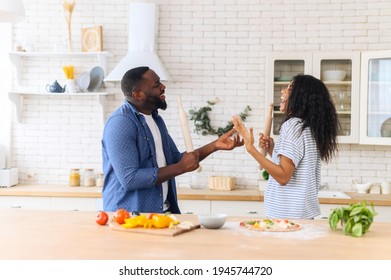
{"x":333,"y":194}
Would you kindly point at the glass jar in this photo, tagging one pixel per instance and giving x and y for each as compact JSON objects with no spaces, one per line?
{"x":89,"y":178}
{"x":74,"y":178}
{"x":100,"y":180}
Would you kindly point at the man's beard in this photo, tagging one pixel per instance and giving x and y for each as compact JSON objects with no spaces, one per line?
{"x":160,"y":104}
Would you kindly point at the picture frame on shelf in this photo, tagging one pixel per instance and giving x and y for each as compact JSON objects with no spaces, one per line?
{"x":91,"y":39}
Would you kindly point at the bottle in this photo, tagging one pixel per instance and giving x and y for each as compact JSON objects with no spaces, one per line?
{"x":89,"y":178}
{"x":74,"y":178}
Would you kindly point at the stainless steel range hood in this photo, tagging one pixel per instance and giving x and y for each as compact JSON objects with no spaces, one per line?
{"x":141,"y":43}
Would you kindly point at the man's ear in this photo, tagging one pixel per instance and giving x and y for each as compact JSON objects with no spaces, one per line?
{"x":137,"y":95}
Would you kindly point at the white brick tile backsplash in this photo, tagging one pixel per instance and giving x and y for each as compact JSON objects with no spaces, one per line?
{"x":211,"y":49}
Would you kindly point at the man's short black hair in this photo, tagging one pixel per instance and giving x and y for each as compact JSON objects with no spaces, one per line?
{"x":132,"y":79}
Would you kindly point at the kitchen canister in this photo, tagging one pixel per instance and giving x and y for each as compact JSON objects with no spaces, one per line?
{"x":385,"y":187}
{"x":100,"y":180}
{"x":74,"y":177}
{"x":89,"y":178}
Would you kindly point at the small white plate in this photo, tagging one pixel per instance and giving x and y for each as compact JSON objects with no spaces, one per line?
{"x":83,"y":81}
{"x":96,"y":75}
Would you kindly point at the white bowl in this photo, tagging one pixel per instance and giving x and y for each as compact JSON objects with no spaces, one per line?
{"x":363,"y":188}
{"x":333,"y":75}
{"x":212,"y":221}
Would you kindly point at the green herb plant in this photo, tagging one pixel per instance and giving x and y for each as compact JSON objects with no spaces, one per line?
{"x":355,"y":219}
{"x":265,"y":175}
{"x":202,"y":120}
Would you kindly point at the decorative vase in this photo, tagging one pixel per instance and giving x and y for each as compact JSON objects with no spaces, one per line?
{"x":69,"y":5}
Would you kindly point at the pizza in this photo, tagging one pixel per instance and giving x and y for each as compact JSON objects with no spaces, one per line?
{"x":275,"y":225}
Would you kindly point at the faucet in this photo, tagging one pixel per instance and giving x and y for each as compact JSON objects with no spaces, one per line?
{"x":324,"y":186}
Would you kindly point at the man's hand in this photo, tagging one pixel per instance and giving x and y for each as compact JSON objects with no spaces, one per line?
{"x":190,"y":161}
{"x":225,"y":142}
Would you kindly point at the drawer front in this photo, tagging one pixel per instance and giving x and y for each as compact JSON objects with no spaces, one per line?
{"x":239,"y":208}
{"x":194,"y":206}
{"x":34,"y":203}
{"x":73,"y":204}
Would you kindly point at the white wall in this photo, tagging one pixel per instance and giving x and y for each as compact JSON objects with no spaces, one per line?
{"x":211,"y":48}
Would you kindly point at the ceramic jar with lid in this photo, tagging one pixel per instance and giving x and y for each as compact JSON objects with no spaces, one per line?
{"x":100,"y":180}
{"x":74,"y":177}
{"x":89,"y":178}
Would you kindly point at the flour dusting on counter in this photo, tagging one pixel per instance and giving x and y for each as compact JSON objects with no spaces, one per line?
{"x":308,"y":232}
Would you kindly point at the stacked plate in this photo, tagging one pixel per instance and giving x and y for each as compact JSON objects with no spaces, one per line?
{"x":96,"y":78}
{"x":83,"y":81}
{"x":91,"y":81}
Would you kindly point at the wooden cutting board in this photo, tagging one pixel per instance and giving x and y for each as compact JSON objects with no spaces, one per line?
{"x":161,"y":231}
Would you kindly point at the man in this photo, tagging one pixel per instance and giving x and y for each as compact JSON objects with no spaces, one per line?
{"x":140,"y":159}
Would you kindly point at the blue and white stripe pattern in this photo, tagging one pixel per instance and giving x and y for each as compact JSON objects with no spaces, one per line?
{"x":298,"y":199}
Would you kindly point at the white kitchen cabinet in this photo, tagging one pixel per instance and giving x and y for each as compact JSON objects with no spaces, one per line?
{"x":239,"y":208}
{"x":283,"y":66}
{"x":383,"y":212}
{"x":73,"y":203}
{"x":194,"y":206}
{"x":98,"y":204}
{"x":25,"y":202}
{"x":52,"y":203}
{"x":375,"y":102}
{"x":18,"y":95}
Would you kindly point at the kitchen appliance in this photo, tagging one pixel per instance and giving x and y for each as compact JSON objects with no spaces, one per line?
{"x":8,"y":177}
{"x":2,"y":157}
{"x":141,"y":43}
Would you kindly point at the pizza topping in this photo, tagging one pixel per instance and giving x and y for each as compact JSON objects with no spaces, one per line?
{"x":270,"y":225}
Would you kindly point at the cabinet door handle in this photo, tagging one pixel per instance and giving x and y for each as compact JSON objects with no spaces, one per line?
{"x":188,"y":212}
{"x":16,"y":206}
{"x":252,"y":212}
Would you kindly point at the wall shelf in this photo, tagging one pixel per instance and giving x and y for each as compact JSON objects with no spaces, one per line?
{"x":16,"y":58}
{"x":17,"y":99}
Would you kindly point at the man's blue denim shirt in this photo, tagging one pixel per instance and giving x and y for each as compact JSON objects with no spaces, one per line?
{"x":129,"y":163}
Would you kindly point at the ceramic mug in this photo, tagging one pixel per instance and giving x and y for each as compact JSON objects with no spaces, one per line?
{"x":385,"y":187}
{"x":71,"y":86}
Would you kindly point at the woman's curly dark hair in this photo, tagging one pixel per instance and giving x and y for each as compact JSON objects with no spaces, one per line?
{"x":310,"y":101}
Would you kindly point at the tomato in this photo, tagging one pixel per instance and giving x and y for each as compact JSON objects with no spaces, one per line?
{"x":120,"y":216}
{"x":102,"y":218}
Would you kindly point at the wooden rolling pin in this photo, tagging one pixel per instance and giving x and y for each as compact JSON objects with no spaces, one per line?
{"x":185,"y":129}
{"x":268,"y":124}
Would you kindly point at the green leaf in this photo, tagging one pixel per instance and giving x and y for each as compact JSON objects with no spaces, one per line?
{"x":202,"y":121}
{"x":357,"y":230}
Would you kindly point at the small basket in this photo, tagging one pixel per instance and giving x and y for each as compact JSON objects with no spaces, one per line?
{"x":221,"y":183}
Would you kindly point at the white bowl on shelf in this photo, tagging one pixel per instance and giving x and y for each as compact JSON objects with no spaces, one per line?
{"x":333,"y":75}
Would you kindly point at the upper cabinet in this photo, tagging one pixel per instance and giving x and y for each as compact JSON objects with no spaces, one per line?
{"x":375,"y":102}
{"x":340,"y":73}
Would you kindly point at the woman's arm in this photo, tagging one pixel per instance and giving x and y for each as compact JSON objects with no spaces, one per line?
{"x":282,"y":172}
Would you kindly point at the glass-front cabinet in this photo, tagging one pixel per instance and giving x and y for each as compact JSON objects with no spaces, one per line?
{"x":339,"y":71}
{"x":375,"y":103}
{"x":282,"y":67}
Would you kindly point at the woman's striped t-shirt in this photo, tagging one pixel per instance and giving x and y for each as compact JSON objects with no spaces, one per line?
{"x":298,"y":199}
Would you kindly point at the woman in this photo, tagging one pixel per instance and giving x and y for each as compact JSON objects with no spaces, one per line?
{"x":308,"y":135}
